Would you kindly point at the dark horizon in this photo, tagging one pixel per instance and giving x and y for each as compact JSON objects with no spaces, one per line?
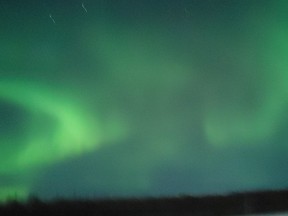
{"x":249,"y":203}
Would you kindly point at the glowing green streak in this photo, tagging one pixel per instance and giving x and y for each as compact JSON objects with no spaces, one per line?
{"x":13,"y":193}
{"x":75,"y":132}
{"x":225,"y":125}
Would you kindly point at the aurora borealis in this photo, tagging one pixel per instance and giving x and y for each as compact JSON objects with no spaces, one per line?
{"x":58,"y":125}
{"x":142,"y":98}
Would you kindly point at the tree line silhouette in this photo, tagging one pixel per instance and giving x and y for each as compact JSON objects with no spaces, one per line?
{"x":257,"y":202}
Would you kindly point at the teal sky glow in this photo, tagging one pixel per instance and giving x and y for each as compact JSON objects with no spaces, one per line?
{"x":142,"y":98}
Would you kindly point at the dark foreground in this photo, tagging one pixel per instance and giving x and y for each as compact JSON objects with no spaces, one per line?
{"x":268,"y":202}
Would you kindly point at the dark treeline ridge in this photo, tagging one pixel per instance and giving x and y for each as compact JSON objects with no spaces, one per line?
{"x":233,"y":204}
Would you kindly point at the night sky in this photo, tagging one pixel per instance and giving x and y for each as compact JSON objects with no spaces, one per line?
{"x":133,"y":98}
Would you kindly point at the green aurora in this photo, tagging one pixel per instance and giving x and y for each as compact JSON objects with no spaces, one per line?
{"x":65,"y":131}
{"x":141,"y":98}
